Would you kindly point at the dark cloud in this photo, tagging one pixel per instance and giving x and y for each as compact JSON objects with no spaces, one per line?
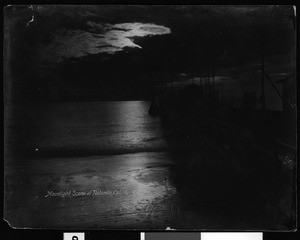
{"x":104,"y":38}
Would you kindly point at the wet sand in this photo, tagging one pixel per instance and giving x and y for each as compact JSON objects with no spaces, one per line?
{"x":127,"y":191}
{"x":132,"y":191}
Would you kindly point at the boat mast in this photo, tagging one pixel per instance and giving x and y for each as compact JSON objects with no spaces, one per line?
{"x":262,"y":97}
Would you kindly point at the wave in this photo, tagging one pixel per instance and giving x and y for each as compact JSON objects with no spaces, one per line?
{"x":79,"y":152}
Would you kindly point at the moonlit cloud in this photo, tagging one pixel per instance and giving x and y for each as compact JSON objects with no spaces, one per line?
{"x":121,"y":35}
{"x":142,"y":29}
{"x":99,"y":38}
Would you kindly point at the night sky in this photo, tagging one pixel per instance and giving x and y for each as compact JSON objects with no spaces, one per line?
{"x":72,"y":53}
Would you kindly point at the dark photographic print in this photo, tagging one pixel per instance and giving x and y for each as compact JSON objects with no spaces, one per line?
{"x":146,"y":117}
